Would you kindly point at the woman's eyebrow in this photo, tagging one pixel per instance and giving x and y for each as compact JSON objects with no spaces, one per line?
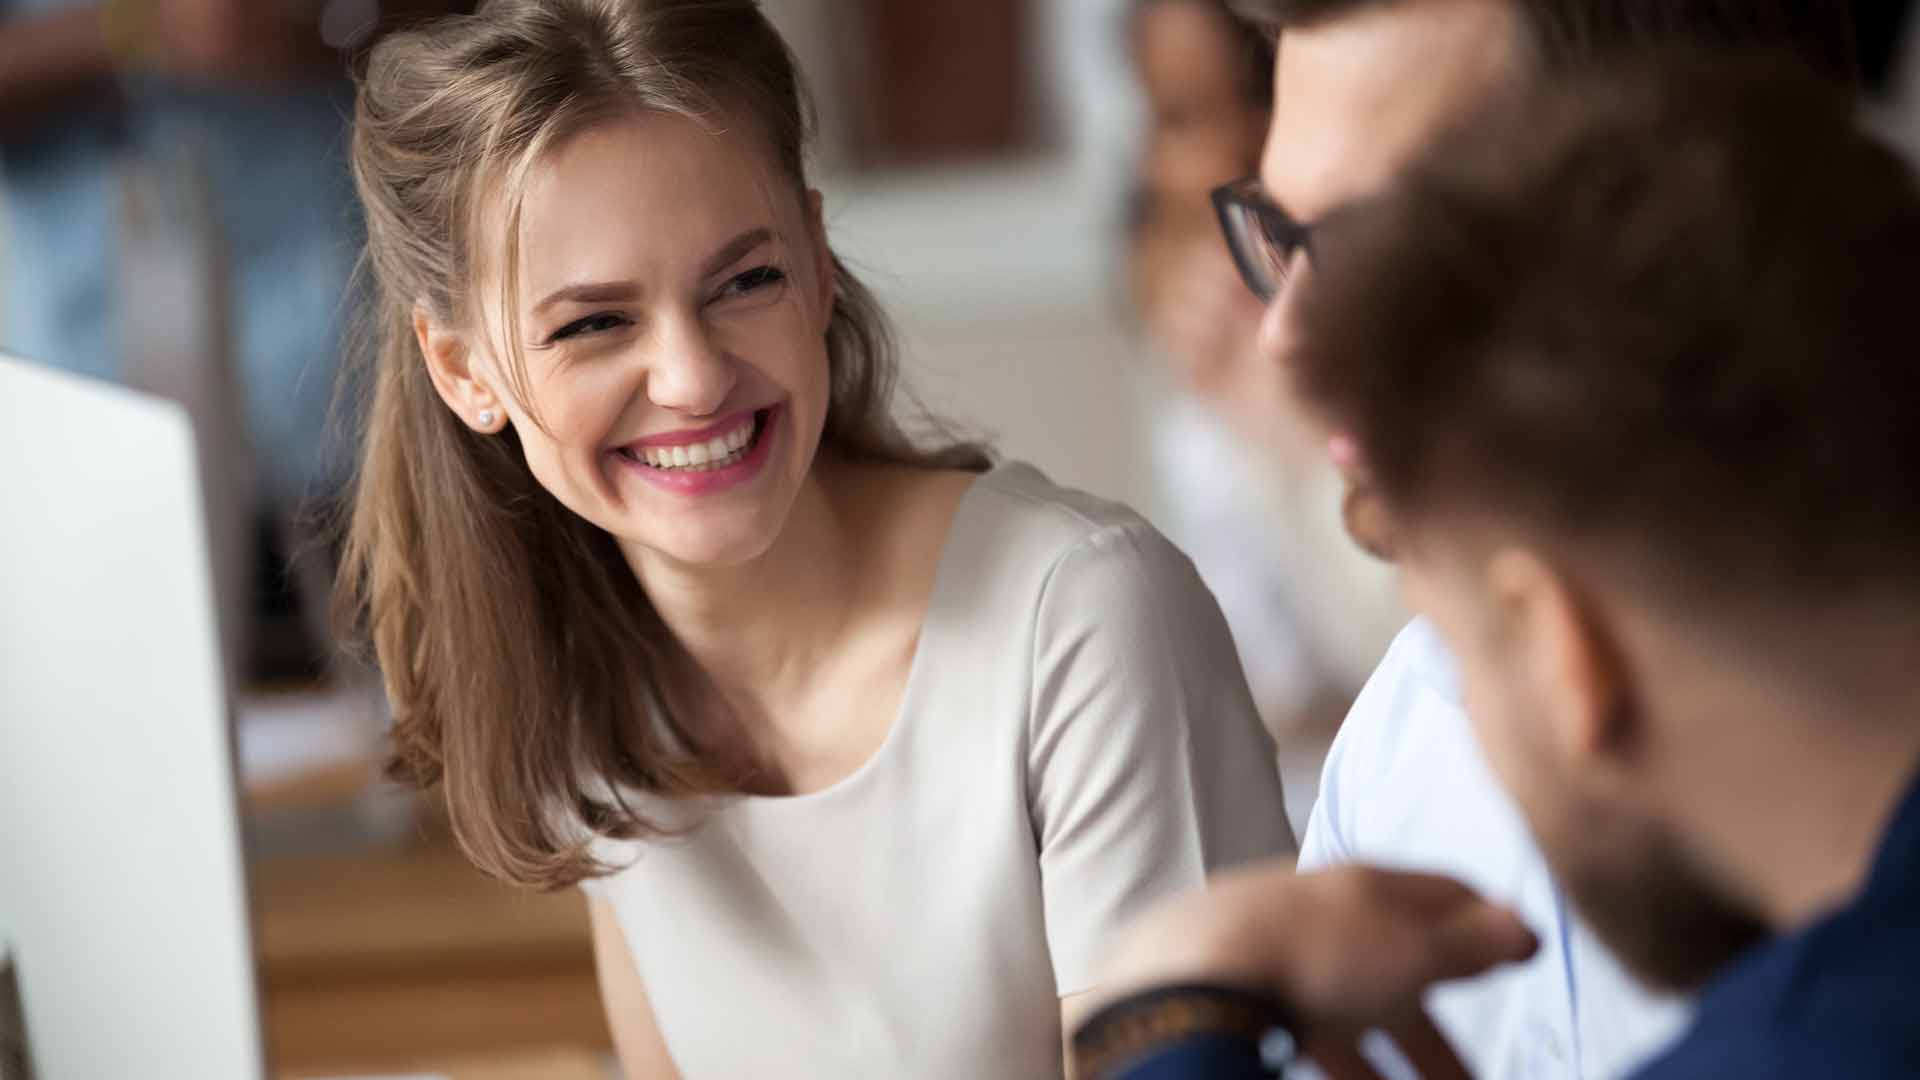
{"x":601,"y":292}
{"x":589,"y":292}
{"x":732,"y":250}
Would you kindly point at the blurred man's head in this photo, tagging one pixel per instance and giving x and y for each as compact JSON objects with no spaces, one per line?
{"x":1362,"y":84}
{"x":1633,"y":364}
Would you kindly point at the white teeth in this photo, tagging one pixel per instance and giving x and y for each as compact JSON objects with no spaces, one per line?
{"x":715,"y":453}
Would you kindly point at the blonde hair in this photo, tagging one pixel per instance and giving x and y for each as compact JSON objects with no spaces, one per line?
{"x":527,"y":670}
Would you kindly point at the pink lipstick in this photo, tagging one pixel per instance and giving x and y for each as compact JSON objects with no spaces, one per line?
{"x":706,"y":460}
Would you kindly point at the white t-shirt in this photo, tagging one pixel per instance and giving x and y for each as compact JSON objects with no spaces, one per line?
{"x":1406,"y":786}
{"x":1076,"y":741}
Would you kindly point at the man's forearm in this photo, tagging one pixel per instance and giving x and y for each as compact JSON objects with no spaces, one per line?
{"x":45,"y":59}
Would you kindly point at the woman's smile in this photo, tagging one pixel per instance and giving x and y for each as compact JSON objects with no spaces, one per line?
{"x":704,"y":461}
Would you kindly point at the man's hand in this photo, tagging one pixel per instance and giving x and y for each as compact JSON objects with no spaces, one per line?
{"x":1348,"y":949}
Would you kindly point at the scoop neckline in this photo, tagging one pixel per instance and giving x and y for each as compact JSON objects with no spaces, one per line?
{"x":936,"y":600}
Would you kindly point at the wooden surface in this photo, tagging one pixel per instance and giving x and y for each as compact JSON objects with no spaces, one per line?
{"x":407,"y":958}
{"x":529,"y":1065}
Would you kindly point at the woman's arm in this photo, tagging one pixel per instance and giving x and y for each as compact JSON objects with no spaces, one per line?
{"x":636,"y":1037}
{"x":1074,"y":1010}
{"x":1147,"y":766}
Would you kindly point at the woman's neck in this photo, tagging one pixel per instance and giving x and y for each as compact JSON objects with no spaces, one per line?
{"x":758,"y":629}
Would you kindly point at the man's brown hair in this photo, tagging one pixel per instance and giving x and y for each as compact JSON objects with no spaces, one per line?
{"x":1666,"y":313}
{"x":1573,"y":33}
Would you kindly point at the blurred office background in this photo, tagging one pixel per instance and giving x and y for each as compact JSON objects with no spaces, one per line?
{"x":981,"y":164}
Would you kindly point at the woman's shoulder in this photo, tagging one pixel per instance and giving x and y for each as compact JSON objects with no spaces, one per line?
{"x":1022,"y":501}
{"x":1021,"y":497}
{"x":1020,"y":527}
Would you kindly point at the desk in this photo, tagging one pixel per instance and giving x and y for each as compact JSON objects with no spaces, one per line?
{"x":532,"y":1065}
{"x":407,"y":958}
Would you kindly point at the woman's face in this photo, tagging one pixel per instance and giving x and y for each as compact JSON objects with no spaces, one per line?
{"x":1204,"y":130}
{"x":673,"y":303}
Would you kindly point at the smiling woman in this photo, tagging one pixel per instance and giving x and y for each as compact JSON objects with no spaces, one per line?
{"x":868,"y":742}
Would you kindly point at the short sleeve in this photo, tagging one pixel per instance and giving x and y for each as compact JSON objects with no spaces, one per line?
{"x":1323,"y":844}
{"x":1379,"y":713}
{"x":1148,"y":765}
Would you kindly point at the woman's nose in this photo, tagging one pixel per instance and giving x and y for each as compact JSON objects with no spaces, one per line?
{"x":688,"y":371}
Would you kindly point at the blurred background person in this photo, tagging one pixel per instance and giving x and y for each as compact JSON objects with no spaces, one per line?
{"x":178,"y":217}
{"x":1242,"y":485}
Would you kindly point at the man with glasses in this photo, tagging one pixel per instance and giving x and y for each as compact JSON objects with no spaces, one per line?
{"x":1631,"y":360}
{"x":1361,"y":86}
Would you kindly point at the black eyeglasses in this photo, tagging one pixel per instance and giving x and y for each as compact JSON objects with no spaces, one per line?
{"x":1262,"y":237}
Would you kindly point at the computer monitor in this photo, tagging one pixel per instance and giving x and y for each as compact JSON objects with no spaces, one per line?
{"x":123,"y":902}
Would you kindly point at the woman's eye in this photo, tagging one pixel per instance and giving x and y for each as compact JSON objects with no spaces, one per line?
{"x":592,"y":324}
{"x":760,"y":277}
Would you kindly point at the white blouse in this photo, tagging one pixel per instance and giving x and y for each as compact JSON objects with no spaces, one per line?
{"x":1076,"y":741}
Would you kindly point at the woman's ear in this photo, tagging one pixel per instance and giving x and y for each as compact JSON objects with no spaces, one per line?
{"x":822,"y":254}
{"x":450,"y":365}
{"x":1568,"y":655}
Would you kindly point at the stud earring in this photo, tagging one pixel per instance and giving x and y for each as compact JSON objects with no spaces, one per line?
{"x":486,"y":418}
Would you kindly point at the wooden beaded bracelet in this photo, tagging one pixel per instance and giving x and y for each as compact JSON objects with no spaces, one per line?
{"x":1138,"y":1024}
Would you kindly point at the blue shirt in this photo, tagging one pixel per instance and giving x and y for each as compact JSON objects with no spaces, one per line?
{"x":1840,"y":997}
{"x":1837,"y":998}
{"x":276,"y":161}
{"x":1407,"y":787}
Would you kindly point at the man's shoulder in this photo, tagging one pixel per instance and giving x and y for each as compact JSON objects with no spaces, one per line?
{"x":1878,"y":1045}
{"x":1834,"y":999}
{"x":1416,"y":676}
{"x":1404,"y":733}
{"x":1405,"y":783}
